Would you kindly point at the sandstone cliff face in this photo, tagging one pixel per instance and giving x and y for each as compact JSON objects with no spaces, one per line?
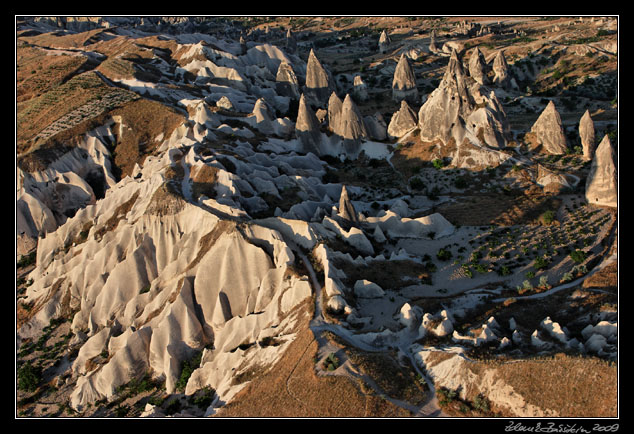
{"x":602,"y":181}
{"x":549,"y":131}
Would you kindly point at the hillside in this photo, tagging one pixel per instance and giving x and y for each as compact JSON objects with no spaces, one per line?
{"x":317,"y":217}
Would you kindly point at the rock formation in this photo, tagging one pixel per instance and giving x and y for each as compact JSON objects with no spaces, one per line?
{"x":432,"y":42}
{"x":501,"y":69}
{"x":404,"y":81}
{"x":402,"y":121}
{"x":286,"y":83}
{"x":460,"y":109}
{"x":350,"y":124}
{"x":291,"y":42}
{"x":263,"y":117}
{"x":549,"y":131}
{"x":477,"y":67}
{"x":346,"y":209}
{"x":307,"y":127}
{"x":586,"y":133}
{"x":384,"y":42}
{"x":602,"y":181}
{"x":359,"y":90}
{"x":319,"y":82}
{"x":334,"y":112}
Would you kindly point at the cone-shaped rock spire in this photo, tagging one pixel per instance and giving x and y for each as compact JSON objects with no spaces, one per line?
{"x":501,"y":70}
{"x":432,"y":42}
{"x":477,"y":67}
{"x":319,"y":83}
{"x":601,"y":184}
{"x":291,"y":42}
{"x":549,"y":132}
{"x":334,"y":112}
{"x":346,"y":208}
{"x":307,"y":127}
{"x":402,"y":121}
{"x":384,"y":42}
{"x":404,"y":81}
{"x":460,"y":108}
{"x":286,"y":81}
{"x":351,"y":126}
{"x":587,"y":135}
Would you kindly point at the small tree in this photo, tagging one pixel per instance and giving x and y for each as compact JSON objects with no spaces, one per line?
{"x":578,"y":256}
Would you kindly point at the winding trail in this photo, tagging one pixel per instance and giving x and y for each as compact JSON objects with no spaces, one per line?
{"x":318,"y":325}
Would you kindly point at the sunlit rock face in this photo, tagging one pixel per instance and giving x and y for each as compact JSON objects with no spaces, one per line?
{"x":460,"y":110}
{"x":549,"y":131}
{"x":404,"y":81}
{"x":601,"y":184}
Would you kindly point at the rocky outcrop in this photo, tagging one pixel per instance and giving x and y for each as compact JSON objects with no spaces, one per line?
{"x":403,"y":121}
{"x":549,"y":131}
{"x":350,"y":124}
{"x":460,"y":108}
{"x":502,"y":77}
{"x":291,"y":42}
{"x":307,"y":127}
{"x":286,"y":83}
{"x":319,"y":82}
{"x":346,"y":209}
{"x":587,"y":135}
{"x":602,"y":181}
{"x":432,"y":42}
{"x":359,"y":89}
{"x":477,"y":67}
{"x":384,"y":42}
{"x":334,"y":112}
{"x":404,"y":81}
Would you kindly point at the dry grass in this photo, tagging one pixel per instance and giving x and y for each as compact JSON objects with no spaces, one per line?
{"x":144,"y":121}
{"x":394,"y":380}
{"x":293,"y":389}
{"x":570,"y":385}
{"x":37,"y":113}
{"x":37,"y":72}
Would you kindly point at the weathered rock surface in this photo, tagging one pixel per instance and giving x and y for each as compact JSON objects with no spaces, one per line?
{"x":461,"y":110}
{"x":549,"y":131}
{"x":319,"y":82}
{"x":286,"y":81}
{"x":384,"y":42}
{"x":602,"y":181}
{"x":404,"y":81}
{"x":403,"y":121}
{"x":502,"y":77}
{"x":587,"y":136}
{"x":477,"y":67}
{"x":307,"y":128}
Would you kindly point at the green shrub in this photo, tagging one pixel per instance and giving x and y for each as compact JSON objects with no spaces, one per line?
{"x":331,"y":363}
{"x":548,"y":217}
{"x":188,"y":368}
{"x":578,"y":256}
{"x":443,"y":254}
{"x":438,"y":163}
{"x":29,"y":377}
